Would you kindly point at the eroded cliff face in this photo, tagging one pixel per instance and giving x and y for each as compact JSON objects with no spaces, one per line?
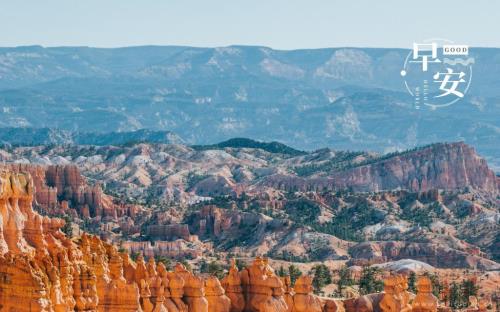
{"x":61,"y":189}
{"x":43,"y":270}
{"x":435,"y":254}
{"x":440,"y":166}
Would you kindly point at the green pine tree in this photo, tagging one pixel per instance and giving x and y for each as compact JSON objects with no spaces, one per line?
{"x":186,"y":264}
{"x":437,"y":287}
{"x":344,"y":279}
{"x":412,"y":281}
{"x":216,"y":269}
{"x":321,"y":277}
{"x":294,"y":273}
{"x":68,"y":226}
{"x":281,"y":272}
{"x":468,"y":288}
{"x":166,"y":261}
{"x":456,"y":300}
{"x":369,"y":283}
{"x":240,"y":264}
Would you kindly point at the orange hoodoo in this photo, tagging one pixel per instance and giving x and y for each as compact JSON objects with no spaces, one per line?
{"x":425,"y":301}
{"x":304,"y":300}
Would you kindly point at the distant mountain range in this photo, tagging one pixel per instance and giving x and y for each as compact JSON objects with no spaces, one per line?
{"x":47,"y":136}
{"x":345,"y":98}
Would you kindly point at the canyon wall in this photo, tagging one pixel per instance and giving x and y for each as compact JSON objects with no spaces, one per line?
{"x":61,"y":189}
{"x":447,"y":166}
{"x":437,"y":255}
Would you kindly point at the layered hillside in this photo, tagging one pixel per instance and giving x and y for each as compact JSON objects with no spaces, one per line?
{"x":438,"y":204}
{"x":62,"y":190}
{"x":181,"y":173}
{"x":439,"y":166}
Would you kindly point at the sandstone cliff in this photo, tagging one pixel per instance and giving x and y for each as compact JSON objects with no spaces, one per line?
{"x":61,"y":189}
{"x":432,"y":253}
{"x":42,"y":270}
{"x":439,"y":166}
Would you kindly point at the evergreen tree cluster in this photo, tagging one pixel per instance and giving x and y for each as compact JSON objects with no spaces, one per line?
{"x":460,"y":293}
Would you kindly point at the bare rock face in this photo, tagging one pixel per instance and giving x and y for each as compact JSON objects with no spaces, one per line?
{"x":440,"y":166}
{"x":263,"y":289}
{"x":213,"y":221}
{"x":395,"y":297}
{"x":217,"y":300}
{"x":45,"y":271}
{"x":234,"y":291}
{"x":61,"y":189}
{"x":89,"y":201}
{"x":304,"y":300}
{"x":425,"y":301}
{"x":168,"y":231}
{"x":174,"y":249}
{"x":434,"y":254}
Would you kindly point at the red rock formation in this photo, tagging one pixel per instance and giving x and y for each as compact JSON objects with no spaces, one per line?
{"x":232,"y":286}
{"x":194,"y":292}
{"x":42,"y":270}
{"x":61,"y":189}
{"x":211,"y":221}
{"x":395,"y":298}
{"x":333,"y":306}
{"x":288,"y":292}
{"x":304,"y":300}
{"x":425,"y":301}
{"x":175,"y":249}
{"x":215,"y":294}
{"x":175,"y":302}
{"x":45,"y":271}
{"x":440,"y":166}
{"x":169,"y":231}
{"x":433,"y":254}
{"x":263,"y":290}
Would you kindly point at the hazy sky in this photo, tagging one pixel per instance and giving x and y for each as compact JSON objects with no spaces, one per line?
{"x":278,"y":24}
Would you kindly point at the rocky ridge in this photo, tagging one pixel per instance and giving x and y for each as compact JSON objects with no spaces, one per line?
{"x":439,"y":166}
{"x":180,"y":173}
{"x":62,"y":190}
